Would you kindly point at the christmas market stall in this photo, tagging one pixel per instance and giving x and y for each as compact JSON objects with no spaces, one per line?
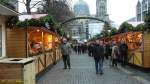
{"x":30,"y":39}
{"x":139,"y":47}
{"x":43,"y":45}
{"x":35,"y":42}
{"x":13,"y":70}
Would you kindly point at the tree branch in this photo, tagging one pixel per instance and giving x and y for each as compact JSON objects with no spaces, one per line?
{"x":35,"y":4}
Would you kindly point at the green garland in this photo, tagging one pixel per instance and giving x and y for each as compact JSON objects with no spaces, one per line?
{"x":14,"y":22}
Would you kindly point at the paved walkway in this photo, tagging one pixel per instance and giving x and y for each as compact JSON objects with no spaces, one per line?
{"x":83,"y":72}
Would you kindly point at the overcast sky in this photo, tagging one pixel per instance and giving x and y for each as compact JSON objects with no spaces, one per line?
{"x":118,"y":10}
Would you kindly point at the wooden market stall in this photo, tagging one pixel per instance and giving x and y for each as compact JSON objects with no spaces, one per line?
{"x":13,"y":70}
{"x":139,"y":47}
{"x":35,"y":42}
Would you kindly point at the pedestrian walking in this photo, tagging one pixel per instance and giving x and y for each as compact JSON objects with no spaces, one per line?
{"x":115,"y":54}
{"x":75,"y":48}
{"x":98,"y":53}
{"x":107,"y":50}
{"x":90,"y":48}
{"x":66,"y":50}
{"x":82,"y":48}
{"x":123,"y":48}
{"x":79,"y":48}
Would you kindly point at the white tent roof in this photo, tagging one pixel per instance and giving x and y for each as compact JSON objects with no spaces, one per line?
{"x":6,"y":11}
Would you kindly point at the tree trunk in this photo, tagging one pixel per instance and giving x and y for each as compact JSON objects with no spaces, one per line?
{"x":28,"y":6}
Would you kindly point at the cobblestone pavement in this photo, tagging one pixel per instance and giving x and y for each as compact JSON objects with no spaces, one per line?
{"x":83,"y":72}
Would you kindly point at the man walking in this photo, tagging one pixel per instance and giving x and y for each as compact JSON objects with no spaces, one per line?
{"x":65,"y":50}
{"x":107,"y":50}
{"x":123,"y":48}
{"x":98,"y":53}
{"x":90,"y":49}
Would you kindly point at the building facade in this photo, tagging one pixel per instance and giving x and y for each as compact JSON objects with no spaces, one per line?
{"x":101,"y":9}
{"x":141,"y":9}
{"x":95,"y":27}
{"x":81,"y":8}
{"x":144,"y":8}
{"x":80,"y":29}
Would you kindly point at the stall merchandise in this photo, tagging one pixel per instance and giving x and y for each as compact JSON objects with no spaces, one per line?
{"x":138,"y":47}
{"x":36,"y":42}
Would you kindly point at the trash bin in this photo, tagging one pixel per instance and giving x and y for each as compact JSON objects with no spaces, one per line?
{"x":17,"y":71}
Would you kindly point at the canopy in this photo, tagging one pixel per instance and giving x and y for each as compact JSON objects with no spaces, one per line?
{"x":6,"y":11}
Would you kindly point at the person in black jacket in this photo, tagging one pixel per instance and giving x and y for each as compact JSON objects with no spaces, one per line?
{"x":90,"y":49}
{"x":98,"y":53}
{"x":107,"y":50}
{"x":123,"y":48}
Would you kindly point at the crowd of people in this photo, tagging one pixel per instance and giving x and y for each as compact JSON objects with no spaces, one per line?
{"x":80,"y":48}
{"x":99,"y":50}
{"x":113,"y":51}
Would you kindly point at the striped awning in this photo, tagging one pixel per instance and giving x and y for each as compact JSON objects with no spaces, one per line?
{"x":6,"y":11}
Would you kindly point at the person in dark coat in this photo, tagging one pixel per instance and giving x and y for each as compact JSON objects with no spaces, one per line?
{"x":75,"y":48}
{"x":98,"y":53}
{"x":82,"y":48}
{"x":90,"y":49}
{"x":123,"y":48}
{"x":79,"y":48}
{"x":65,"y":51}
{"x":107,"y":50}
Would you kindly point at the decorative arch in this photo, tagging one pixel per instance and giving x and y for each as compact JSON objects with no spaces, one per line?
{"x":76,"y":18}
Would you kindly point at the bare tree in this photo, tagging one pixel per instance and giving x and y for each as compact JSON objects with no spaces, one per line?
{"x":28,"y":4}
{"x":58,"y":9}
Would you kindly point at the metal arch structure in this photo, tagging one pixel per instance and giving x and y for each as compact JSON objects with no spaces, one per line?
{"x":76,"y":18}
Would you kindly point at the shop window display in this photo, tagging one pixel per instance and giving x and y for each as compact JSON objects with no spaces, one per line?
{"x":48,"y":42}
{"x":39,"y":42}
{"x":36,"y":47}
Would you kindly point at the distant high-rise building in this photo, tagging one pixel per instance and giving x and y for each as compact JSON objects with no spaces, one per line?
{"x":144,"y":8}
{"x":139,"y":11}
{"x":101,"y":9}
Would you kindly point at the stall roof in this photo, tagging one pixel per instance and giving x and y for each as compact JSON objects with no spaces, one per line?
{"x":32,"y":28}
{"x":34,"y":16}
{"x":6,"y":11}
